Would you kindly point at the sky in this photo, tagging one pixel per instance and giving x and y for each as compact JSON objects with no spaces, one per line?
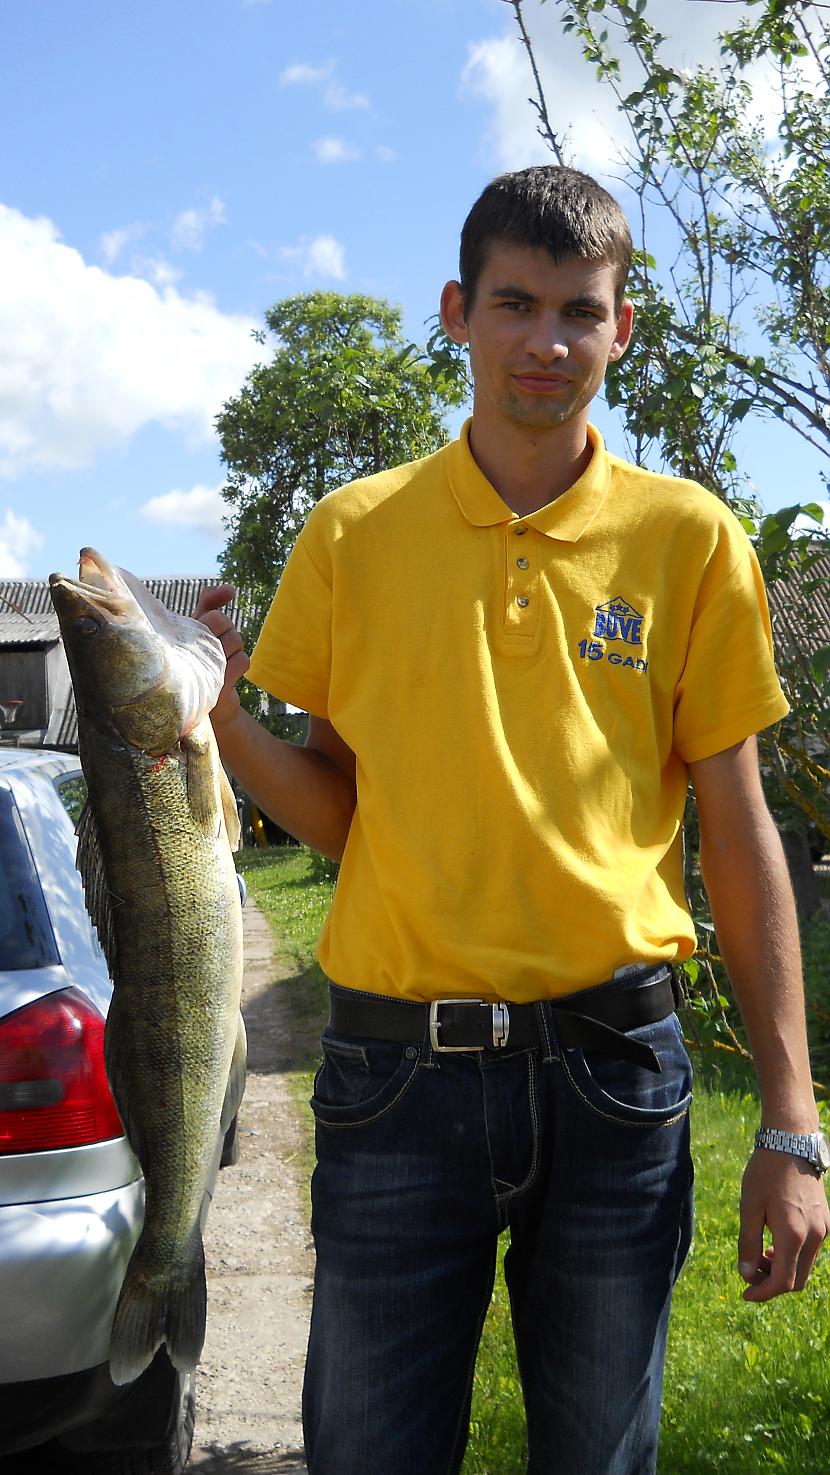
{"x":169,"y":170}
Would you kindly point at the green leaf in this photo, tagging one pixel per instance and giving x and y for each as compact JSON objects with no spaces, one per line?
{"x":813,"y":510}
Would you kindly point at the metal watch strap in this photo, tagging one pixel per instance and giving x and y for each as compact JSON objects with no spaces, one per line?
{"x":798,"y":1144}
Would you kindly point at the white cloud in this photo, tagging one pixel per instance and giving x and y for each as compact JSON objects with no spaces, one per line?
{"x":156,"y":269}
{"x":300,"y":73}
{"x":112,"y":243}
{"x":340,"y":100}
{"x":385,"y":154}
{"x":191,"y":226}
{"x":321,"y":257}
{"x":17,"y":540}
{"x":334,"y":151}
{"x":201,"y":509}
{"x":325,"y":259}
{"x":582,"y":110}
{"x":335,"y":97}
{"x":87,"y":358}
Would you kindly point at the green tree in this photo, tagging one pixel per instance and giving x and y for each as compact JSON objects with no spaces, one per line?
{"x":734,"y":322}
{"x":341,"y":396}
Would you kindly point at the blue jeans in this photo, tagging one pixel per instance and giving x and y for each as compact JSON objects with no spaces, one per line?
{"x":423,"y":1158}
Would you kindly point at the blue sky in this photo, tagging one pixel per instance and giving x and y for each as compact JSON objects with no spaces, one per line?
{"x":170,"y":169}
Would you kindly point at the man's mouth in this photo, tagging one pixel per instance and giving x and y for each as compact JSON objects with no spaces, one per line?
{"x":541,"y":383}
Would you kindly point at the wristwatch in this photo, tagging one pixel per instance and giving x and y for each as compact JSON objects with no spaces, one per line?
{"x":812,"y":1146}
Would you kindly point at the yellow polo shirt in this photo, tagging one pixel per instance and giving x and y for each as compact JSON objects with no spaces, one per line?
{"x":522,"y":695}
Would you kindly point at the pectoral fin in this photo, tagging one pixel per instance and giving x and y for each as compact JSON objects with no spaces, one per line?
{"x":202,"y":761}
{"x":229,"y":810}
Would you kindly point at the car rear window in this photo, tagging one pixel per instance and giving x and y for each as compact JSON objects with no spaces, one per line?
{"x":26,"y":939}
{"x":72,"y":794}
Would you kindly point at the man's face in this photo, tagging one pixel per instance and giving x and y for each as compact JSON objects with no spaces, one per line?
{"x":540,"y":333}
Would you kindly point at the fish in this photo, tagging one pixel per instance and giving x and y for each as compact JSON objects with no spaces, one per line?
{"x":155,"y":855}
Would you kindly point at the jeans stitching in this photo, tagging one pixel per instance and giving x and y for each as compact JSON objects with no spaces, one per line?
{"x":496,"y":1195}
{"x":542,"y":1020}
{"x":502,"y":1199}
{"x":622,"y":1121}
{"x":534,"y":1119}
{"x":367,"y":1121}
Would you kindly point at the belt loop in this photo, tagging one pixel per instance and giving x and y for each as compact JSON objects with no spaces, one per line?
{"x":549,"y":1049}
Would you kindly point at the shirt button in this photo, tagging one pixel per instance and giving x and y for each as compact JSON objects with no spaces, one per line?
{"x":522,"y":563}
{"x":522,"y":600}
{"x":520,"y":529}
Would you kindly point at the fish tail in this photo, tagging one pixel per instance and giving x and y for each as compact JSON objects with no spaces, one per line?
{"x":187,"y":1310}
{"x":157,"y":1307}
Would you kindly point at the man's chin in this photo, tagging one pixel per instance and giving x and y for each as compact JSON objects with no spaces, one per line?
{"x":545,"y":415}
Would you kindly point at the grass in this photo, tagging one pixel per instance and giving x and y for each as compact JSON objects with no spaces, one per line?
{"x":747,"y":1388}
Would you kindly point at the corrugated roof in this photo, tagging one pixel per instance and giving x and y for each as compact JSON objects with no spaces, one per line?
{"x":28,"y":618}
{"x":800,"y":607}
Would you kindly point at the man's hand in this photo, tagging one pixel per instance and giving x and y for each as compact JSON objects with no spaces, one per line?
{"x":784,"y":1194}
{"x":210,"y":610}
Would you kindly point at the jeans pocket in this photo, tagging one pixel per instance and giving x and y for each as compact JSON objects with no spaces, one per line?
{"x":627,"y":1093}
{"x":359,"y":1080}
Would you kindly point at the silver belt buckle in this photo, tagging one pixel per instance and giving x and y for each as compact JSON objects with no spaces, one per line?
{"x":501,"y":1025}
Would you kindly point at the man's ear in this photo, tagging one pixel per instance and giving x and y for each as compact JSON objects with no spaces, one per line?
{"x":453,"y":320}
{"x":622,"y":337}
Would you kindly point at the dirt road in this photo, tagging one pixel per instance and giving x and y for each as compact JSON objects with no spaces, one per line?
{"x":258,"y":1259}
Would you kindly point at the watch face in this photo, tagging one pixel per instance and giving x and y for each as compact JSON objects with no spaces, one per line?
{"x":823,"y":1152}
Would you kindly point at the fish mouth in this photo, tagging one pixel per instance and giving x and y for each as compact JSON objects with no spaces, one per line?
{"x":98,"y":584}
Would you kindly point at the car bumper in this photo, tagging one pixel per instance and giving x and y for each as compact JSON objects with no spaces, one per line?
{"x":62,"y":1264}
{"x":86,"y":1411}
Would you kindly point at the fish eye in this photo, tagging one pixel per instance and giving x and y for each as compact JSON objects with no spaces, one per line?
{"x":86,"y":625}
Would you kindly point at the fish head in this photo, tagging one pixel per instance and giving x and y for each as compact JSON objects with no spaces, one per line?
{"x":135,"y":665}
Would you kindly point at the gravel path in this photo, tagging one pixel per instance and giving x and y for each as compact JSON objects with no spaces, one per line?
{"x":259,"y":1259}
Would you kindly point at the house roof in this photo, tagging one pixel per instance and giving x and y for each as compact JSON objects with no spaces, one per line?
{"x":800,"y":607}
{"x":26,"y":613}
{"x":27,"y":616}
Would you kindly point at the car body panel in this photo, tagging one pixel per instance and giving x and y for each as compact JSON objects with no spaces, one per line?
{"x":66,"y":1173}
{"x":61,"y":1270}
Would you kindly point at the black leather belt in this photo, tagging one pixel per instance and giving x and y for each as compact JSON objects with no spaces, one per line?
{"x":593,"y":1019}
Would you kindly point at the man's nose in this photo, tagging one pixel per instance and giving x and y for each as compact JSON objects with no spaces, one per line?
{"x":546,"y":340}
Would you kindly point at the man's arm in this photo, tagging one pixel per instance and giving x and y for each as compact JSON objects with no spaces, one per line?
{"x":309,"y":791}
{"x":746,"y":878}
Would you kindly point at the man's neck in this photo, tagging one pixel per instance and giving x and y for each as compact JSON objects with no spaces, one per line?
{"x":530,"y":468}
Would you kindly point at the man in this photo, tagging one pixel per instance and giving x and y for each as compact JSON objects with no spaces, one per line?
{"x":515,"y":653}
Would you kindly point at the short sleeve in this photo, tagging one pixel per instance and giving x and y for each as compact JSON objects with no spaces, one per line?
{"x":292,"y":657}
{"x":729,"y":688}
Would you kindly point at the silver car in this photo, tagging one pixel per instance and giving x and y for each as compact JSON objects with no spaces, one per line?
{"x":71,"y":1192}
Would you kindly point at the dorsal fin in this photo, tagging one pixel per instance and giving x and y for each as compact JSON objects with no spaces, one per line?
{"x":99,"y":902}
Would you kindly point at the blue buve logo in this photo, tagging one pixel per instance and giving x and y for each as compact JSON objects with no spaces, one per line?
{"x":619,"y":620}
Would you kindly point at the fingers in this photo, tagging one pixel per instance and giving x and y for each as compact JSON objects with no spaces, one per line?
{"x":784,"y":1195}
{"x":213,"y":597}
{"x":219,"y":625}
{"x":751,"y":1240}
{"x":210,"y":610}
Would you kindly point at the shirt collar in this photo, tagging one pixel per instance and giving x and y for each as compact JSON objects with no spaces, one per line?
{"x":566,"y":518}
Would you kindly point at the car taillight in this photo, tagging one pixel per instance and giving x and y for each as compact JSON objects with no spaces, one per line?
{"x":53,"y":1086}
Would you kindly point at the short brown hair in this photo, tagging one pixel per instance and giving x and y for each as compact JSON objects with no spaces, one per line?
{"x":564,"y":211}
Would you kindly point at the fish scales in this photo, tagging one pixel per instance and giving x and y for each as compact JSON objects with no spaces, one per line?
{"x":161,"y":886}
